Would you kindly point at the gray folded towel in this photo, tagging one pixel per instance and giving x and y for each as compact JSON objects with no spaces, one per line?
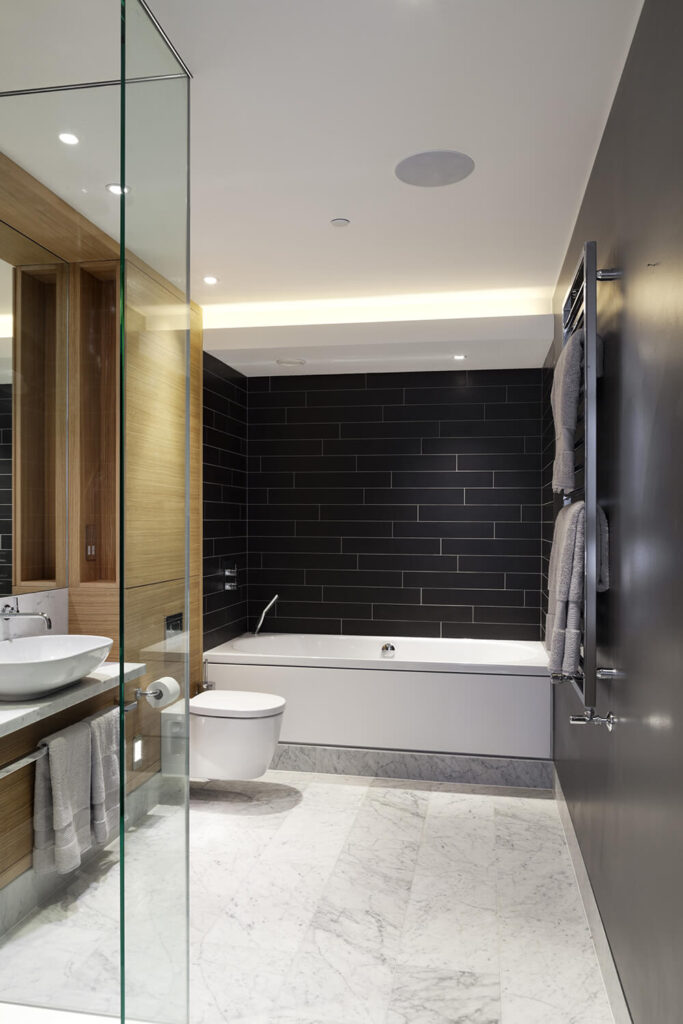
{"x":61,"y":818}
{"x":565,"y":590}
{"x":603,"y":552}
{"x":564,"y":399}
{"x":104,"y":737}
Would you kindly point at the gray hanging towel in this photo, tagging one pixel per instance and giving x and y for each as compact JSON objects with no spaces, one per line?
{"x":104,"y":738}
{"x":61,"y":818}
{"x":564,"y":399}
{"x":565,"y":589}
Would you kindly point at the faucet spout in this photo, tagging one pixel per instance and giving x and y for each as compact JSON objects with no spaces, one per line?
{"x":273,"y":601}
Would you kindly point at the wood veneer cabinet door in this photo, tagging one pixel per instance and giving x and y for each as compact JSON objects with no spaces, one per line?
{"x":155,"y":418}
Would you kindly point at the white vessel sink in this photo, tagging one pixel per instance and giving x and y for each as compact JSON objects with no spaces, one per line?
{"x":32,"y":666}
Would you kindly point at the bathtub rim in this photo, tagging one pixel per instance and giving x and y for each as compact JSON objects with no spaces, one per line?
{"x":219,"y":655}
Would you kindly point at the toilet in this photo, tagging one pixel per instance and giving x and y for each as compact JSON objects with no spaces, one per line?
{"x":233,"y":733}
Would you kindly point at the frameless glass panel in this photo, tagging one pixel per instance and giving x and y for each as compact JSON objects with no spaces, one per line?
{"x":155,"y":596}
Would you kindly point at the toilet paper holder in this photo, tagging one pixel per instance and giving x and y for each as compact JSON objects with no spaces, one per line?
{"x":138,"y":694}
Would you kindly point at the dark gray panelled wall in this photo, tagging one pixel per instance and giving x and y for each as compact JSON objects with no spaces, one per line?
{"x":625,"y":789}
{"x":225,"y":500}
{"x":397,"y":504}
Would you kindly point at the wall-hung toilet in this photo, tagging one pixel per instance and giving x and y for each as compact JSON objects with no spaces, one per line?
{"x":233,"y":733}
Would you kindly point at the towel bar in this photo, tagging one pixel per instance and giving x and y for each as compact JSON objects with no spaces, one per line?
{"x":22,"y":762}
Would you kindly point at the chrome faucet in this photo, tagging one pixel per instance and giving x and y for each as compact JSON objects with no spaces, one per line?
{"x":265,"y":611}
{"x":8,"y":612}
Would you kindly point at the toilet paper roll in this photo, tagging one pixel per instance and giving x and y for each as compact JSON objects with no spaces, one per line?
{"x":170,"y":691}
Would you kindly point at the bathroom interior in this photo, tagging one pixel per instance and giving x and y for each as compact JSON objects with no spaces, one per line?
{"x":341,"y":354}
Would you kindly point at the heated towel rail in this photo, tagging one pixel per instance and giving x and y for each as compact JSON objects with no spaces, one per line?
{"x":22,"y":762}
{"x":580,"y":311}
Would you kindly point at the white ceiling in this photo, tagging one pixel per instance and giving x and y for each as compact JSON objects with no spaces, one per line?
{"x":301,"y":110}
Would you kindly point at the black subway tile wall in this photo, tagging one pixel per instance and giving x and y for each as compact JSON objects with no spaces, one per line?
{"x":225,"y":500}
{"x":5,"y":488}
{"x":397,"y":504}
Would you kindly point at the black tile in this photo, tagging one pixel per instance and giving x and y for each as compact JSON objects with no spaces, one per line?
{"x":428,"y":563}
{"x":344,"y":528}
{"x":439,"y":412}
{"x":440,"y":529}
{"x":422,"y":613}
{"x":426,"y":428}
{"x":529,"y":616}
{"x":348,"y":398}
{"x":393,"y":595}
{"x":276,"y":400}
{"x":465,"y":445}
{"x":294,"y":544}
{"x":511,"y":462}
{"x":321,"y":382}
{"x":490,"y":631}
{"x":287,"y":592}
{"x":426,"y":379}
{"x":440,"y":479}
{"x":329,"y":610}
{"x":469,"y":546}
{"x":288,"y":446}
{"x":284,"y":512}
{"x":501,"y":495}
{"x":317,"y":496}
{"x":392,"y":545}
{"x":350,"y":480}
{"x":374,"y":446}
{"x":308,"y":560}
{"x":470,"y":513}
{"x":346,"y":578}
{"x":521,"y":580}
{"x":518,"y":478}
{"x":513,"y":410}
{"x":457,"y":580}
{"x":414,"y":495}
{"x":391,"y":513}
{"x":309,"y":463}
{"x":357,"y":627}
{"x":306,"y":625}
{"x":500,"y":563}
{"x":458,"y":395}
{"x":490,"y":428}
{"x":481,"y":598}
{"x":336,"y":414}
{"x":291,"y":431}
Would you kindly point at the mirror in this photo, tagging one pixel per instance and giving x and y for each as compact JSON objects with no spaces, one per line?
{"x":33,"y":409}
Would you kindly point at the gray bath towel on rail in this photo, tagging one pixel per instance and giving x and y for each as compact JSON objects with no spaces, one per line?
{"x":565,"y":590}
{"x":564,"y":399}
{"x":61,"y":818}
{"x":104,"y":738}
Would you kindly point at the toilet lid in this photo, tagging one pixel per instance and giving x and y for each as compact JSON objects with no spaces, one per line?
{"x":236,"y":704}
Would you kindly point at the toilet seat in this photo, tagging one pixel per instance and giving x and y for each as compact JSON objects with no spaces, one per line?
{"x":236,"y":704}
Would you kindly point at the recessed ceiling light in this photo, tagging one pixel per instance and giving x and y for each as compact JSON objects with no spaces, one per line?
{"x":340,"y":222}
{"x":210,"y":279}
{"x":290,"y":362}
{"x":116,"y":189}
{"x":460,"y":357}
{"x":68,"y":138}
{"x":434,"y":168}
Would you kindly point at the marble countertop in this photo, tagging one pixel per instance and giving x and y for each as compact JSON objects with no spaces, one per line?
{"x":17,"y":714}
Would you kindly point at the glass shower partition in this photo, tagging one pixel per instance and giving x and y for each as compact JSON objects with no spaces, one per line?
{"x":108,"y":213}
{"x":154,"y":510}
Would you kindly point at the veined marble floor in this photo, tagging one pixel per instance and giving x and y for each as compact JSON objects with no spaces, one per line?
{"x":320,"y":899}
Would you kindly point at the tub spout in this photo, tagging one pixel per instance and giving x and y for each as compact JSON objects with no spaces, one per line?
{"x":265,"y":611}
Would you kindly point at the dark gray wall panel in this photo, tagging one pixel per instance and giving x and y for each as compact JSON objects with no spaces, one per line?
{"x":625,"y":790}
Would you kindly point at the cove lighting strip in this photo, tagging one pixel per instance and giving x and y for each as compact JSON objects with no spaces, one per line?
{"x":380,"y":308}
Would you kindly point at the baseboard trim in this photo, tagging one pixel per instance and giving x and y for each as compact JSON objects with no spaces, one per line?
{"x":470,"y":769}
{"x":610,"y":975}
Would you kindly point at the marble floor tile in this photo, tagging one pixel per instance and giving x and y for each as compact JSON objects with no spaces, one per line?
{"x":328,"y":900}
{"x":424,"y":995}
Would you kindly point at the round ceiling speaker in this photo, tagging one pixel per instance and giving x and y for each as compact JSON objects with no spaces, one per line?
{"x":435,"y":168}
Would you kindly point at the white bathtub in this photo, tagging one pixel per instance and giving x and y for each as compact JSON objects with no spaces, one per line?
{"x":488,"y":697}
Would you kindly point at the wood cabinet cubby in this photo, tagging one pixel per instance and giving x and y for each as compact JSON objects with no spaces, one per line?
{"x":94,"y":424}
{"x":39,"y":428}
